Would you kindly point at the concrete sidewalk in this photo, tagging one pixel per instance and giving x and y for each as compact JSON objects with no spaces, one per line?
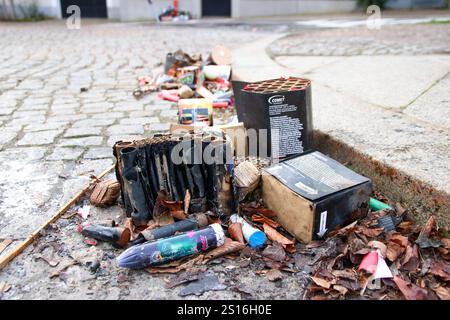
{"x":387,"y":115}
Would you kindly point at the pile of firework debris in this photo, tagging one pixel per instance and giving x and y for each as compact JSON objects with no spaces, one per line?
{"x":190,"y":196}
{"x":197,"y":85}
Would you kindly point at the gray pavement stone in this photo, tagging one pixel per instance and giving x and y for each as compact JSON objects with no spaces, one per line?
{"x":93,"y":123}
{"x":98,"y":153}
{"x":65,"y":154}
{"x":63,"y":118}
{"x":158,"y":127}
{"x":172,"y":114}
{"x":39,"y":138}
{"x":7,"y":136}
{"x":44,"y":126}
{"x":140,"y":120}
{"x":81,"y":142}
{"x":108,"y":115}
{"x":125,"y":129}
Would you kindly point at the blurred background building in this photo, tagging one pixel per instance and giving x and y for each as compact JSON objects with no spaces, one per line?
{"x":131,"y":10}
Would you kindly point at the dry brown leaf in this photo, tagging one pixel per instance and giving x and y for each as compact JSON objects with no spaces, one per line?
{"x":274,"y":235}
{"x":410,"y":261}
{"x":369,"y":232}
{"x":446,"y":243}
{"x":321,"y":282}
{"x":440,"y":269}
{"x":263,"y":219}
{"x":410,"y":291}
{"x":347,"y":274}
{"x":235,"y":231}
{"x":394,"y":250}
{"x":342,"y":290}
{"x":260,"y":210}
{"x":159,"y":208}
{"x":274,"y":275}
{"x":378,"y":245}
{"x":63,"y":267}
{"x":443,"y":293}
{"x":228,"y":247}
{"x":399,"y":239}
{"x":179,"y":215}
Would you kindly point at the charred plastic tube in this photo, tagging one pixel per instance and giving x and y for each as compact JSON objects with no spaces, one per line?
{"x":134,"y":187}
{"x":199,"y":221}
{"x":116,"y":235}
{"x":173,"y":248}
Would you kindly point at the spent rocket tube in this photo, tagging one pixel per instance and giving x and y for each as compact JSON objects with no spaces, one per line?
{"x":173,"y":248}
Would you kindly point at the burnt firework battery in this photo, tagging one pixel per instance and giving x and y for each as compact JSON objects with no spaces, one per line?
{"x":282,"y":107}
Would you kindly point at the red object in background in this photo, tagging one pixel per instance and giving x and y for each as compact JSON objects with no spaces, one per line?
{"x":167,"y":95}
{"x":175,"y":5}
{"x":220,"y":105}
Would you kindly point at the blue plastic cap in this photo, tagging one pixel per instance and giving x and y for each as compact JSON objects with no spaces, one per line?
{"x":257,"y":239}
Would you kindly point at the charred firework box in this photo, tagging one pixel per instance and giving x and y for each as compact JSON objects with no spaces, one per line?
{"x":313,"y":194}
{"x":282,"y":107}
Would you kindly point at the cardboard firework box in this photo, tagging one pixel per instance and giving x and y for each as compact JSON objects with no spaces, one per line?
{"x":283,"y":108}
{"x":313,"y":194}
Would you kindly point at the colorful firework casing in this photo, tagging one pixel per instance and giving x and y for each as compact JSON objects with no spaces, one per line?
{"x":173,"y":248}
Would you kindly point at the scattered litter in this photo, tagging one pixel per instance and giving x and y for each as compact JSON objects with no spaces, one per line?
{"x":84,"y":211}
{"x":51,"y":263}
{"x":116,"y":235}
{"x":181,"y":279}
{"x":63,"y":267}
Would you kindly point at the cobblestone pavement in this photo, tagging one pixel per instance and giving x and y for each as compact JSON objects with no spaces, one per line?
{"x":389,"y":40}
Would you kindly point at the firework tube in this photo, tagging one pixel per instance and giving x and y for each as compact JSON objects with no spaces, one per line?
{"x":255,"y":237}
{"x":173,"y":248}
{"x":377,"y":205}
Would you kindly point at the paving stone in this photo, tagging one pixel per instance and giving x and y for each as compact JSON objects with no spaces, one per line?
{"x":99,"y":153}
{"x":158,"y":127}
{"x":93,"y":123}
{"x":169,"y":114}
{"x":27,"y":114}
{"x":39,"y":138}
{"x":81,"y":142}
{"x":44,"y":126}
{"x":65,"y":154}
{"x":142,"y":114}
{"x":82,"y":132}
{"x":7,"y":136}
{"x":108,"y":115}
{"x":141,"y":120}
{"x":125,"y":129}
{"x":70,"y":117}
